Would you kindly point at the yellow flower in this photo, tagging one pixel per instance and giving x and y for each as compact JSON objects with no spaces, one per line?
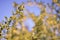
{"x":54,"y":16}
{"x":51,"y":22}
{"x":16,"y":32}
{"x":9,"y":35}
{"x":21,"y":7}
{"x":16,"y":38}
{"x":44,"y":29}
{"x":55,"y":22}
{"x":48,"y":22}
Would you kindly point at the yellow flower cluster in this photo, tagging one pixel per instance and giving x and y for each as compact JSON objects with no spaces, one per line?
{"x":44,"y":27}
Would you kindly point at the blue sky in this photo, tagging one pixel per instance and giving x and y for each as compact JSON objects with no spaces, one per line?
{"x":6,"y":7}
